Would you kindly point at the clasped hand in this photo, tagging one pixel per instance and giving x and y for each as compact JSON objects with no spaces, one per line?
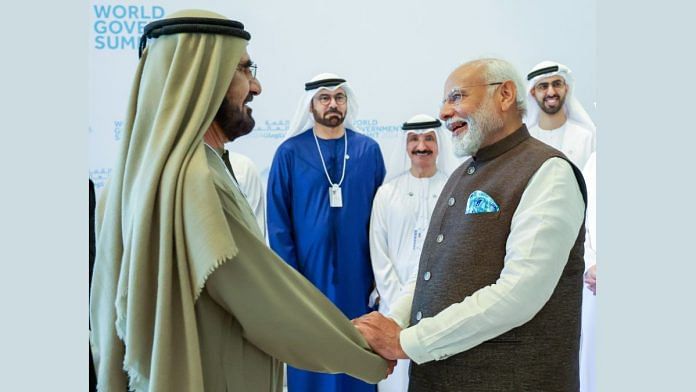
{"x":382,"y":334}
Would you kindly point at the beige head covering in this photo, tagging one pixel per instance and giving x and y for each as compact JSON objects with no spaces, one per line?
{"x":161,"y":230}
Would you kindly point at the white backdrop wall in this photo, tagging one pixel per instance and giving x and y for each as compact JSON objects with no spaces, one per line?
{"x":396,"y":55}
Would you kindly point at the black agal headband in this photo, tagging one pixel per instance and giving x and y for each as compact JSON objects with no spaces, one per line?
{"x":542,"y":71}
{"x":421,"y":125}
{"x":323,"y":83}
{"x":192,"y":25}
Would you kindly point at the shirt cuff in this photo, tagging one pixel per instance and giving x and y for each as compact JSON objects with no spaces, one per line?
{"x":413,"y":347}
{"x":401,"y":318}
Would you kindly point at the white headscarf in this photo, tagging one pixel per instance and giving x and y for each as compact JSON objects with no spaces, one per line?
{"x":399,"y":161}
{"x":572,"y":107}
{"x":304,"y":120}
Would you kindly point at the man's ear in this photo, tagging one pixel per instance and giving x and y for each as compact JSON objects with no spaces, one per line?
{"x":508,"y":95}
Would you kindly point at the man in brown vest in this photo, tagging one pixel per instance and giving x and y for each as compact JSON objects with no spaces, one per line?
{"x":495,"y":305}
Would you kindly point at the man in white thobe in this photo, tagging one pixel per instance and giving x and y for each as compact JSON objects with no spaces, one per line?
{"x":555,"y":116}
{"x":416,"y":172}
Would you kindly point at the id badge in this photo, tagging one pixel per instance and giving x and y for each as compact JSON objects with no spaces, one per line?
{"x":335,"y":197}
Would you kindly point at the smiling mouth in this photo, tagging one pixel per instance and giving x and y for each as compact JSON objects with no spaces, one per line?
{"x":551,"y":100}
{"x":422,"y":152}
{"x":458,"y":127}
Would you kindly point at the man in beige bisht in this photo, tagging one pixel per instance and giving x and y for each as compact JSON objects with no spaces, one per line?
{"x":186,"y":296}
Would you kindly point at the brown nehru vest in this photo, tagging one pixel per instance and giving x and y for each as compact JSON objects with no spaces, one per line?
{"x":463,"y":253}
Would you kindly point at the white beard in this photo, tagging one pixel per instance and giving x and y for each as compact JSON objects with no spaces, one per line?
{"x":468,"y":143}
{"x":480,"y":123}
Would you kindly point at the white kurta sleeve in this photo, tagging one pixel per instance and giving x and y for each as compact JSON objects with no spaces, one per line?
{"x":543,"y":230}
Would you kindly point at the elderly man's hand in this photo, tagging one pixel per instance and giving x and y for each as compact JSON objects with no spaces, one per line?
{"x":382,"y":334}
{"x":591,"y":279}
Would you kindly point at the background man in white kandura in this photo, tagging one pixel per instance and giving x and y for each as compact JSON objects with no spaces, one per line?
{"x":555,"y":116}
{"x":416,"y":172}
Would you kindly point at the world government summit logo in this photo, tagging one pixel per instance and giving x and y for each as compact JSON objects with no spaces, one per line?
{"x":119,"y":27}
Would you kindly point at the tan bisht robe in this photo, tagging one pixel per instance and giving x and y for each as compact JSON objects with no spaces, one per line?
{"x":286,"y":317}
{"x":185,"y":295}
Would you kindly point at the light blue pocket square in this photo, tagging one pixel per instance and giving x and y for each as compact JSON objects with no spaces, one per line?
{"x":479,"y":202}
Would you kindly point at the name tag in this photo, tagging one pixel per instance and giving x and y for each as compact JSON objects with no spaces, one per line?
{"x":335,"y":196}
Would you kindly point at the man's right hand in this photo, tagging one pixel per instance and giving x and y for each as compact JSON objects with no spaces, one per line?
{"x":382,"y":334}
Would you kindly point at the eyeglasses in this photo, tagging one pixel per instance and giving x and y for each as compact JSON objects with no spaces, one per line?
{"x":325,"y":99}
{"x":248,"y":68}
{"x":556,"y":84}
{"x":455,"y":96}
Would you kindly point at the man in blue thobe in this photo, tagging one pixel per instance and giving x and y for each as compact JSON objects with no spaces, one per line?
{"x":323,"y":179}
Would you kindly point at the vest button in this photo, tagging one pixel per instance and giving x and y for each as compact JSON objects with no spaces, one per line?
{"x":471,"y":170}
{"x":440,"y":237}
{"x":450,"y":202}
{"x":419,"y":315}
{"x":426,"y":275}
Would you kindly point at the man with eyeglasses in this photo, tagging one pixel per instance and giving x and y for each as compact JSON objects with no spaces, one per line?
{"x":555,"y":116}
{"x":496,"y":302}
{"x":241,"y":168}
{"x":321,"y":184}
{"x":186,"y":296}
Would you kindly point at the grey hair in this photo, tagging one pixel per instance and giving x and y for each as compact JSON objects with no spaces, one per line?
{"x":499,"y":70}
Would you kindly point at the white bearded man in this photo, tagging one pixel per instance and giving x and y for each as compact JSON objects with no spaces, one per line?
{"x":496,"y":303}
{"x":555,"y":116}
{"x":416,"y":172}
{"x":186,"y":296}
{"x":322,"y":181}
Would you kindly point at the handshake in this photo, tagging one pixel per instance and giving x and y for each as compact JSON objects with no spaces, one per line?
{"x":382,"y":334}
